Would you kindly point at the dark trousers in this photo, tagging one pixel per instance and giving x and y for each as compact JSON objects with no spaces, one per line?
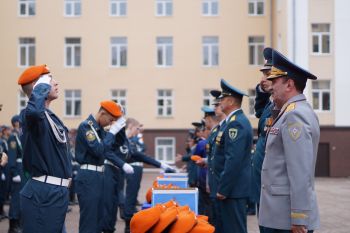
{"x":204,"y":204}
{"x":43,"y":207}
{"x":218,"y":217}
{"x":133,"y":182}
{"x":234,"y":215}
{"x":89,"y":187}
{"x":111,"y":193}
{"x":14,"y":211}
{"x":270,"y":230}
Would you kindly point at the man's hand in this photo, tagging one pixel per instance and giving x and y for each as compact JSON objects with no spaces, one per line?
{"x":16,"y":179}
{"x":45,"y":78}
{"x":299,"y":229}
{"x":220,"y":196}
{"x":201,"y":162}
{"x":128,"y":169}
{"x":117,"y":125}
{"x":178,"y":158}
{"x":4,"y":159}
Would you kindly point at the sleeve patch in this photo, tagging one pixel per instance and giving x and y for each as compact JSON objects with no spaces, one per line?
{"x":90,"y":136}
{"x":294,"y":130}
{"x":13,"y":145}
{"x":233,"y":133}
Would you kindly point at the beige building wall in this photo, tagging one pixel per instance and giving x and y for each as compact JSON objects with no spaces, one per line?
{"x":141,"y":78}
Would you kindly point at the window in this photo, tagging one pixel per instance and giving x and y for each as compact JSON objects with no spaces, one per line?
{"x":72,"y":8}
{"x":119,"y":96}
{"x":22,"y":101}
{"x":210,"y":7}
{"x":119,"y":50}
{"x":26,"y":52}
{"x":26,"y":7}
{"x":72,"y":103}
{"x":321,"y":95}
{"x":164,"y":7}
{"x":165,"y":149}
{"x":210,"y":46}
{"x":256,"y":7}
{"x":207,"y":100}
{"x":73,"y":52}
{"x":321,"y":38}
{"x":164,"y":51}
{"x":165,"y":103}
{"x":252,"y":94}
{"x":256,"y":47}
{"x":117,"y":7}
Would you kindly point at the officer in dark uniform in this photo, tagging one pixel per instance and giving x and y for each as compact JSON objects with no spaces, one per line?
{"x":93,"y":146}
{"x":263,"y":109}
{"x":17,"y":178}
{"x":232,"y":161}
{"x":3,"y":156}
{"x":44,"y":198}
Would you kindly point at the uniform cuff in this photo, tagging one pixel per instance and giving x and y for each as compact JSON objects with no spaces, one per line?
{"x":299,"y":218}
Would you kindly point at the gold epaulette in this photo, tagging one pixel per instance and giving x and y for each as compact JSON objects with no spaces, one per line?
{"x":290,"y":107}
{"x":214,"y":130}
{"x":233,"y":118}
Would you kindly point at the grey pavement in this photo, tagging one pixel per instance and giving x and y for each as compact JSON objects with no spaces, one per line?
{"x":333,"y":199}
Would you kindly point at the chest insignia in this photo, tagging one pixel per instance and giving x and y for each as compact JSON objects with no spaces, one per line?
{"x":233,"y":133}
{"x":13,"y":145}
{"x":274,"y":131}
{"x":90,"y":136}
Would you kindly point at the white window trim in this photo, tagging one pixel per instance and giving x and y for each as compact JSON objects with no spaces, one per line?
{"x":164,"y":2}
{"x":156,"y":149}
{"x":210,"y":53}
{"x":72,"y":45}
{"x":320,"y":91}
{"x":27,"y":53}
{"x":165,"y":106}
{"x":118,"y":3}
{"x":251,"y":97}
{"x":72,"y":99}
{"x":256,"y":51}
{"x":119,"y":97}
{"x":27,"y":8}
{"x":73,"y":15}
{"x":210,"y":2}
{"x":119,"y":46}
{"x":208,"y":97}
{"x":21,"y":98}
{"x":255,"y":2}
{"x":163,"y":47}
{"x":319,"y":35}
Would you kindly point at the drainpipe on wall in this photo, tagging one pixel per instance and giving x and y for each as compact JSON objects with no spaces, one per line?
{"x":271,"y":26}
{"x":294,"y":30}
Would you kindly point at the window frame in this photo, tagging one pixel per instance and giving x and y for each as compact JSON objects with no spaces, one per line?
{"x":165,"y":105}
{"x":163,"y":4}
{"x":256,"y":51}
{"x":27,"y":47}
{"x":320,"y":96}
{"x":209,"y":4}
{"x":118,"y":4}
{"x":211,"y":55}
{"x":122,"y":100}
{"x":21,"y":98}
{"x":72,"y":46}
{"x":72,"y":100}
{"x":255,"y":3}
{"x":27,"y":3}
{"x":156,"y":146}
{"x":251,"y":102}
{"x":164,"y":50}
{"x":73,"y":7}
{"x":119,"y":47}
{"x":319,"y":35}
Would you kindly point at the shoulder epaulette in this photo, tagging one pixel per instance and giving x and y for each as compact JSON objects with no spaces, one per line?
{"x":290,"y":107}
{"x":233,"y":118}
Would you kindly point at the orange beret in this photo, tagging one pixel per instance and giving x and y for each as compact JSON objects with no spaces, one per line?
{"x":166,"y":218}
{"x":195,"y":158}
{"x":202,"y":227}
{"x":203,"y":217}
{"x":185,"y":222}
{"x":149,"y":195}
{"x":143,"y":220}
{"x":170,"y":203}
{"x":32,"y":73}
{"x":112,"y":108}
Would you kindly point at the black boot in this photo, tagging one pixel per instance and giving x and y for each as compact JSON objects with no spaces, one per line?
{"x":127,"y":226}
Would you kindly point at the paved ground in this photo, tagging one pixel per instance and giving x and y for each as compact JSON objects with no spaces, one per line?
{"x":333,"y":198}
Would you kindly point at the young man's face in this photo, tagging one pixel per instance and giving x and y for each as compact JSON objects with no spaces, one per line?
{"x":54,"y":89}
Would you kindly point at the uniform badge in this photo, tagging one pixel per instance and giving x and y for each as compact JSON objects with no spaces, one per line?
{"x":233,"y":133}
{"x":274,"y":131}
{"x":295,"y":130}
{"x":90,"y":136}
{"x":13,"y":145}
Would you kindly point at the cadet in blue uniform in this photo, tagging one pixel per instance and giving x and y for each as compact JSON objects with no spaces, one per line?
{"x":288,"y":201}
{"x":15,"y":154}
{"x":263,"y":109}
{"x":46,"y":159}
{"x":93,"y":146}
{"x":232,"y":161}
{"x":3,"y":156}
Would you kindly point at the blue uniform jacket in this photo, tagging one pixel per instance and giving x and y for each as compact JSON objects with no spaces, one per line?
{"x":3,"y":148}
{"x":201,"y":171}
{"x":263,"y":107}
{"x":43,"y":154}
{"x":210,"y":147}
{"x":232,"y":166}
{"x":89,"y":150}
{"x":14,"y":152}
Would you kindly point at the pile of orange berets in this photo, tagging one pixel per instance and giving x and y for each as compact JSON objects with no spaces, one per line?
{"x":170,"y":218}
{"x":159,"y":186}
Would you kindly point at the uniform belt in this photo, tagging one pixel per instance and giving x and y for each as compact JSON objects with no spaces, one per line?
{"x":140,"y":164}
{"x":92,"y":167}
{"x":107,"y":162}
{"x":53,"y":180}
{"x":19,"y":160}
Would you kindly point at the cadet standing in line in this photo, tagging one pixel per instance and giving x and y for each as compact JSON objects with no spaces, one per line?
{"x":3,"y":157}
{"x":15,"y":154}
{"x":263,"y":108}
{"x":93,"y":146}
{"x":46,"y":159}
{"x":232,"y":166}
{"x":288,"y":198}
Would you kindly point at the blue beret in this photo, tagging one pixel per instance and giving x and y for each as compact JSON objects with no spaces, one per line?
{"x":281,"y":66}
{"x":14,"y":119}
{"x":228,"y":90}
{"x":208,"y":111}
{"x":268,"y":58}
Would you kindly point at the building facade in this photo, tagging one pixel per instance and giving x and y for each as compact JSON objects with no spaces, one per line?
{"x":160,"y":58}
